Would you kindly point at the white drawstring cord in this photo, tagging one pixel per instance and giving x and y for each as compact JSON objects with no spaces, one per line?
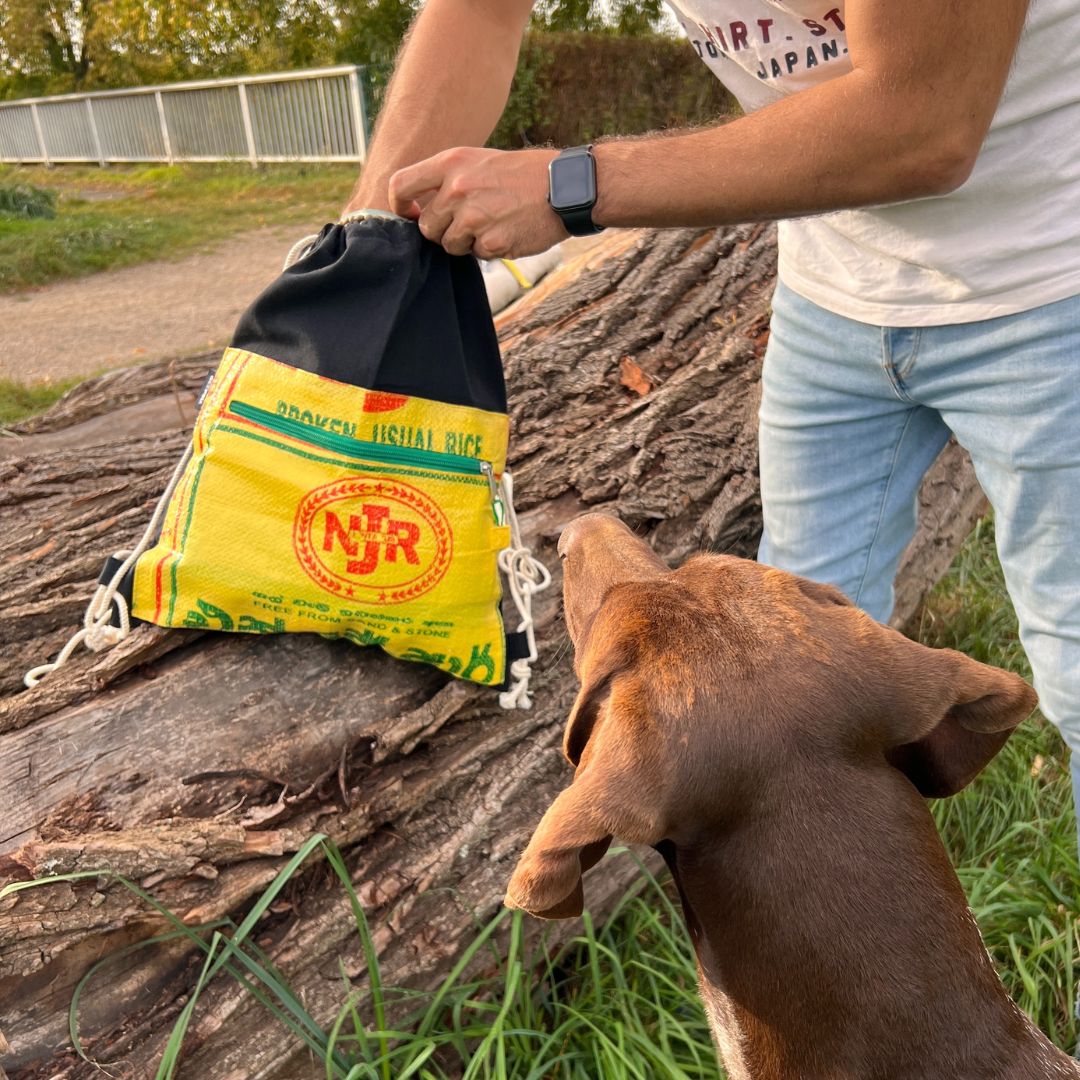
{"x":96,"y":632}
{"x":301,"y":248}
{"x":305,"y":245}
{"x":525,"y":576}
{"x":362,"y":215}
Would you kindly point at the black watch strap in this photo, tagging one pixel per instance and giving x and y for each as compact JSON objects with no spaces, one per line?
{"x":577,"y":219}
{"x":579,"y":222}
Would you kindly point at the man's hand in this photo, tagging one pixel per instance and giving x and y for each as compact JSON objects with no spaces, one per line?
{"x":492,"y":203}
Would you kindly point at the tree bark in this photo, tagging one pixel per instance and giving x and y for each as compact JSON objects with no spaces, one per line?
{"x":196,"y":763}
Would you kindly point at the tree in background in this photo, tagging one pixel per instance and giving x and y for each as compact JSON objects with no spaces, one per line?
{"x":43,"y":41}
{"x":620,"y":16}
{"x":372,"y":31}
{"x":55,"y":46}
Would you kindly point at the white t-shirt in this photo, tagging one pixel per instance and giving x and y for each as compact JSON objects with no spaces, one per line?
{"x":1006,"y":241}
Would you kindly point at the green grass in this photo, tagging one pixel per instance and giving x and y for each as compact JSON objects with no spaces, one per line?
{"x":27,"y":201}
{"x":1012,"y":833}
{"x":619,"y":1001}
{"x":125,"y":215}
{"x":18,"y":400}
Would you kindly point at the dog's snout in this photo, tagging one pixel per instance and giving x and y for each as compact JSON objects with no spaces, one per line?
{"x":570,"y":539}
{"x":592,"y":526}
{"x":565,"y":540}
{"x":608,"y":547}
{"x":598,"y":552}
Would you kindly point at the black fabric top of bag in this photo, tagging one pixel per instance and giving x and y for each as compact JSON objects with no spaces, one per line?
{"x":375,"y":304}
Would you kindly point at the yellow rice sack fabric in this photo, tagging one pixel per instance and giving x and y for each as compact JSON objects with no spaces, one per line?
{"x":311,"y":505}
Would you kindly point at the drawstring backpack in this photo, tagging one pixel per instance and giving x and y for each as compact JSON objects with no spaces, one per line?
{"x":346,"y":474}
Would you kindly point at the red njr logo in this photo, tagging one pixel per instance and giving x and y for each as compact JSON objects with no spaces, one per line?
{"x":372,"y":538}
{"x":380,"y":534}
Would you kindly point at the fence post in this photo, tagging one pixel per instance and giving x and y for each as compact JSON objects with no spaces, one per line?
{"x":40,"y":135}
{"x":164,"y":127}
{"x":94,"y":132}
{"x":249,"y":133}
{"x":359,"y":114}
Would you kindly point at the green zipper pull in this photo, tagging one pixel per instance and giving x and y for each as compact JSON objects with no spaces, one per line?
{"x":496,"y":500}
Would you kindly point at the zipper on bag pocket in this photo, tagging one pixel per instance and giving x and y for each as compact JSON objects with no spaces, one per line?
{"x":364,"y":450}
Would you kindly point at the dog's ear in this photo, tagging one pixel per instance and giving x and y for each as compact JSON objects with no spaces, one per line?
{"x":570,"y":839}
{"x":607,"y":655}
{"x":614,"y":792}
{"x":964,"y":713}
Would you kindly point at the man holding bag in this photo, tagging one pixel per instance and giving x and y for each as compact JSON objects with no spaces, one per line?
{"x":923,"y":162}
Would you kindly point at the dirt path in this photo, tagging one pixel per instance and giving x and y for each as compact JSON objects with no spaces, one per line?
{"x":149,"y":312}
{"x":155,"y":311}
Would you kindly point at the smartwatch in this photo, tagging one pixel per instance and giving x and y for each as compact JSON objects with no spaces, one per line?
{"x":572,"y":190}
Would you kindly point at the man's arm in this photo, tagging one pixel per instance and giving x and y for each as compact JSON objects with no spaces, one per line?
{"x":906,"y":122}
{"x":449,"y":88}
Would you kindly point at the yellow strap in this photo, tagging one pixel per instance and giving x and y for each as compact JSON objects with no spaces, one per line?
{"x":519,"y":277}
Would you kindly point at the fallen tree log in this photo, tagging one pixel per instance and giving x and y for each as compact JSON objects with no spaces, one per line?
{"x":196,"y":764}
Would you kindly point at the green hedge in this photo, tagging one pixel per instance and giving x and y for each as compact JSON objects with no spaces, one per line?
{"x":571,"y":88}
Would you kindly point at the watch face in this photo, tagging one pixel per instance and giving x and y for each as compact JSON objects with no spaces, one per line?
{"x":573,"y":182}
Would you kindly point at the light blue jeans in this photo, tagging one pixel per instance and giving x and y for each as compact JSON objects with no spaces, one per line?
{"x":852,"y":415}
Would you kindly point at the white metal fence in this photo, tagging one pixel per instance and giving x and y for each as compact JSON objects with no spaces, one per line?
{"x":316,"y":115}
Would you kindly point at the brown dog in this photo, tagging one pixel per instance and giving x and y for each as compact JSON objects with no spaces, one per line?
{"x":776,"y":744}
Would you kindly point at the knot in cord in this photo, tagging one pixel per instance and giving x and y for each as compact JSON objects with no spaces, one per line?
{"x":525,"y":576}
{"x":97,"y":631}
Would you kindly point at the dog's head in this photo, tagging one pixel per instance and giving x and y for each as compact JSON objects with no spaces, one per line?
{"x":703,"y":684}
